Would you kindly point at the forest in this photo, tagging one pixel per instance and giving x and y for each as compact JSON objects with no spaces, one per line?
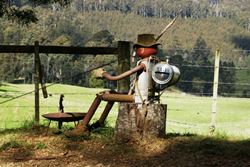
{"x":203,"y":27}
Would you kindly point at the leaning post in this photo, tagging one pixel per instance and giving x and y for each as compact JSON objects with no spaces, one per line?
{"x":36,"y":81}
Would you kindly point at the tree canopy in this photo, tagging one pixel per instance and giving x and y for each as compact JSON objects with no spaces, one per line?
{"x":190,"y":42}
{"x":18,"y":11}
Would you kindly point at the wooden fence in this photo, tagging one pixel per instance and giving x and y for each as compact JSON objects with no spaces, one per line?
{"x":122,"y":51}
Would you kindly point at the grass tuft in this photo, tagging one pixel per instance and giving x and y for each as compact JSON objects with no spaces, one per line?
{"x":9,"y":145}
{"x":13,"y":143}
{"x":40,"y":145}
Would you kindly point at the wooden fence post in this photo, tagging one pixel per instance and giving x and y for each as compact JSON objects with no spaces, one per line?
{"x":215,"y":90}
{"x":123,"y":65}
{"x":36,"y":82}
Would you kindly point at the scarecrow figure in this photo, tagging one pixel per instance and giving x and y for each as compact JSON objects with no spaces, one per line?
{"x":151,"y":76}
{"x":142,"y":90}
{"x":143,"y":86}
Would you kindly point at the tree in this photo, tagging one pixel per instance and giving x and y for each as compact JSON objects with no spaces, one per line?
{"x":177,"y":57}
{"x":13,"y":10}
{"x":187,"y":76}
{"x":227,"y":78}
{"x":203,"y":74}
{"x":9,"y":74}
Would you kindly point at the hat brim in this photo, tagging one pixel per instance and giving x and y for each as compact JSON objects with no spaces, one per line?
{"x":147,"y":46}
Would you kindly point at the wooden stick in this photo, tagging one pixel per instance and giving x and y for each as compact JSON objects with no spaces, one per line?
{"x":168,"y":26}
{"x":46,"y":157}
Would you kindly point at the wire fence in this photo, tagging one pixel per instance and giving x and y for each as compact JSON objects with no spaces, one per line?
{"x":188,"y":111}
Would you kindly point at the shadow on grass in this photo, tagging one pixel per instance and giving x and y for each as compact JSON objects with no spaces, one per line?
{"x":204,"y":151}
{"x":6,"y":96}
{"x":3,"y":84}
{"x":28,"y":127}
{"x":16,"y":151}
{"x":3,"y":90}
{"x":173,"y":135}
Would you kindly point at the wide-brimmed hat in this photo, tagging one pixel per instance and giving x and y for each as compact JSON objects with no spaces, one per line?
{"x":146,"y":40}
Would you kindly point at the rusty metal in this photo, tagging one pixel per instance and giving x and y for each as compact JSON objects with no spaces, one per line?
{"x":91,"y":111}
{"x":125,"y":74}
{"x":105,"y":112}
{"x":61,"y":107}
{"x":111,"y":97}
{"x":65,"y":117}
{"x":116,"y":97}
{"x":62,"y":116}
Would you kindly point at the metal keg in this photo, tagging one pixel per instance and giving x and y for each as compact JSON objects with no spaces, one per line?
{"x":165,"y":75}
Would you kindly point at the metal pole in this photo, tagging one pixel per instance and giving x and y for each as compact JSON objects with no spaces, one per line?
{"x":215,"y":90}
{"x":91,"y":111}
{"x":105,"y":112}
{"x":36,"y":81}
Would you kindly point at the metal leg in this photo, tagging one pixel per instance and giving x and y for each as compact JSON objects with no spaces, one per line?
{"x":105,"y":112}
{"x":48,"y":128}
{"x":60,"y":123}
{"x":91,"y":111}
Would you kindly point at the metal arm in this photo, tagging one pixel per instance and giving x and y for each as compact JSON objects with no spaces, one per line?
{"x":125,"y":74}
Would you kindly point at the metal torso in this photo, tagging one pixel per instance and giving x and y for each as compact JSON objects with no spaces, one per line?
{"x":145,"y":85}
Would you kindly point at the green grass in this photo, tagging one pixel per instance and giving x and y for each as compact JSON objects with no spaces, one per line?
{"x":186,"y":113}
{"x":17,"y":112}
{"x":14,"y":143}
{"x":233,"y":114}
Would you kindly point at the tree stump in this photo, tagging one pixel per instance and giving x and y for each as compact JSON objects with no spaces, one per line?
{"x":140,"y":121}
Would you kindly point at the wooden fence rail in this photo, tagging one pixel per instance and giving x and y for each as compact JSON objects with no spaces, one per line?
{"x":58,"y":49}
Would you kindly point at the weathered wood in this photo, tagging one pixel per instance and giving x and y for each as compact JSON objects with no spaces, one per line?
{"x":78,"y":50}
{"x":41,"y":78}
{"x":136,"y":121}
{"x":123,"y":65}
{"x":215,"y":90}
{"x":17,"y":49}
{"x":36,"y":82}
{"x":58,"y":49}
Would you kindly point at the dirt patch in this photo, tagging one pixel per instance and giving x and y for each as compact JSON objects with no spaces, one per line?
{"x":101,"y":150}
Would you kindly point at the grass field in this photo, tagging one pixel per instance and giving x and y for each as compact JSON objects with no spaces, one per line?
{"x":186,"y":113}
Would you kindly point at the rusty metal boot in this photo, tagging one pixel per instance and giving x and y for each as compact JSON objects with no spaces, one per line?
{"x":79,"y":131}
